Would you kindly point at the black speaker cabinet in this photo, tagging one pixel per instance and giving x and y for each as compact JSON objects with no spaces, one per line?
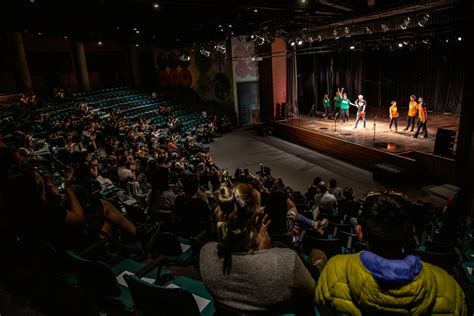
{"x":444,"y":143}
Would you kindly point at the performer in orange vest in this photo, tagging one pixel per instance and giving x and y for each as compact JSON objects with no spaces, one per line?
{"x":423,"y":119}
{"x":393,"y":113}
{"x":412,"y":112}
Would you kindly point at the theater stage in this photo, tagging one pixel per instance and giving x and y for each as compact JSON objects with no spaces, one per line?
{"x":359,"y":147}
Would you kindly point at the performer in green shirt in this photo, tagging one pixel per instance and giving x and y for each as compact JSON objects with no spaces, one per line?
{"x":337,"y":102}
{"x":326,"y":105}
{"x":345,"y":102}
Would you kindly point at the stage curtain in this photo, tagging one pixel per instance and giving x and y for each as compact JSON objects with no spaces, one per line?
{"x":323,"y":73}
{"x":436,"y":74}
{"x":292,"y":85}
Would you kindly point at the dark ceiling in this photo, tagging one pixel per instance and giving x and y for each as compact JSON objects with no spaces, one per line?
{"x":181,"y":23}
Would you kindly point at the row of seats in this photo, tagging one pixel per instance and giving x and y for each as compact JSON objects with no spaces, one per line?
{"x":97,"y":92}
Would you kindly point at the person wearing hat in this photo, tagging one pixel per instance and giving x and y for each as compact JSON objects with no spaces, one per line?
{"x":360,"y":104}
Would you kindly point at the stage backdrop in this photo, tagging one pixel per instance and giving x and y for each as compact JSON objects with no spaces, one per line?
{"x":381,"y":77}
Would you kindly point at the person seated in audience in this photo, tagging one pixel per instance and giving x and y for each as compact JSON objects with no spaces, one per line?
{"x":192,"y":211}
{"x":313,"y":189}
{"x":242,"y":270}
{"x":385,"y":280}
{"x":347,"y":205}
{"x":324,"y":201}
{"x":23,"y":100}
{"x":126,"y":170}
{"x":162,"y":198}
{"x":334,"y":189}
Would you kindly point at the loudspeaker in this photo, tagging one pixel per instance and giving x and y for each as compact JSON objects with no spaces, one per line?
{"x":444,"y":143}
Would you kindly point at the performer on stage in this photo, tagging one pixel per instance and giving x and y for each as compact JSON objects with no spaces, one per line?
{"x":393,"y":113}
{"x":412,"y":113}
{"x":423,"y":119}
{"x":326,"y":105}
{"x":345,"y":108}
{"x":360,"y":104}
{"x":337,"y":101}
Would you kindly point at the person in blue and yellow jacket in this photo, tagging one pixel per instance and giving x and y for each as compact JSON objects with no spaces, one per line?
{"x":384,"y":280}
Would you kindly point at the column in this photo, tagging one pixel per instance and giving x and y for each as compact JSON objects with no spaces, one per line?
{"x":81,"y":66}
{"x":134,"y":66}
{"x":22,"y":63}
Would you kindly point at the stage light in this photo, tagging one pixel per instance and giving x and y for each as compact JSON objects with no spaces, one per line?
{"x":32,"y":1}
{"x":255,"y":10}
{"x":385,"y":27}
{"x":424,"y":20}
{"x":156,"y":5}
{"x":299,"y":41}
{"x":39,"y":33}
{"x":459,"y":38}
{"x":368,"y":30}
{"x":292,"y":43}
{"x":65,"y":37}
{"x":205,"y":52}
{"x":405,"y":43}
{"x":252,"y":36}
{"x":230,"y":25}
{"x":136,"y":45}
{"x":220,"y":48}
{"x":352,"y":47}
{"x":137,"y":32}
{"x":400,"y":45}
{"x":347,"y":32}
{"x":405,"y":23}
{"x":259,"y":40}
{"x":252,"y":58}
{"x":99,"y":43}
{"x":134,"y":28}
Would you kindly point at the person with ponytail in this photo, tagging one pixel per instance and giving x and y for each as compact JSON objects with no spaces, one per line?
{"x":242,"y":270}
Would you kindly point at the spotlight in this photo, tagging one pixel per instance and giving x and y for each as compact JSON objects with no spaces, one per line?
{"x":137,"y":32}
{"x":405,"y":43}
{"x":32,"y":1}
{"x":65,"y":36}
{"x":39,"y":34}
{"x":134,"y":28}
{"x":136,"y":45}
{"x":252,"y":36}
{"x":400,"y":44}
{"x":352,"y":47}
{"x":459,"y":38}
{"x":204,"y":52}
{"x":405,"y":23}
{"x":230,"y":25}
{"x":259,"y":40}
{"x":292,"y":43}
{"x":99,"y":43}
{"x":255,"y":10}
{"x":385,"y":27}
{"x":299,"y":41}
{"x":368,"y":30}
{"x":424,"y":20}
{"x":347,"y":32}
{"x":184,"y":56}
{"x":220,"y":48}
{"x":156,"y":5}
{"x":252,"y":58}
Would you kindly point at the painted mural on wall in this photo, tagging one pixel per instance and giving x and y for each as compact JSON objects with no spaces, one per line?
{"x":173,"y":72}
{"x":244,"y":68}
{"x":210,"y":76}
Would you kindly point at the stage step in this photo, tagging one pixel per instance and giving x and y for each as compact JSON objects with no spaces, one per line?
{"x":389,"y":174}
{"x":445,"y":191}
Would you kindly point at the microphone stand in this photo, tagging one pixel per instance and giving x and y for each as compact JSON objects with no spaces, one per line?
{"x":335,"y":120}
{"x":375,"y":125}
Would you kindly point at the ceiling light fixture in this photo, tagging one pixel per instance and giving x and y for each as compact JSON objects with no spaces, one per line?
{"x":424,"y":20}
{"x":405,"y":23}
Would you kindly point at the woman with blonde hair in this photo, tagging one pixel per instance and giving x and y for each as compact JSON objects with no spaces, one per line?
{"x":242,"y":270}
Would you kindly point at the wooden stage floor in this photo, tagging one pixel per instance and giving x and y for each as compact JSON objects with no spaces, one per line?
{"x":399,"y":142}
